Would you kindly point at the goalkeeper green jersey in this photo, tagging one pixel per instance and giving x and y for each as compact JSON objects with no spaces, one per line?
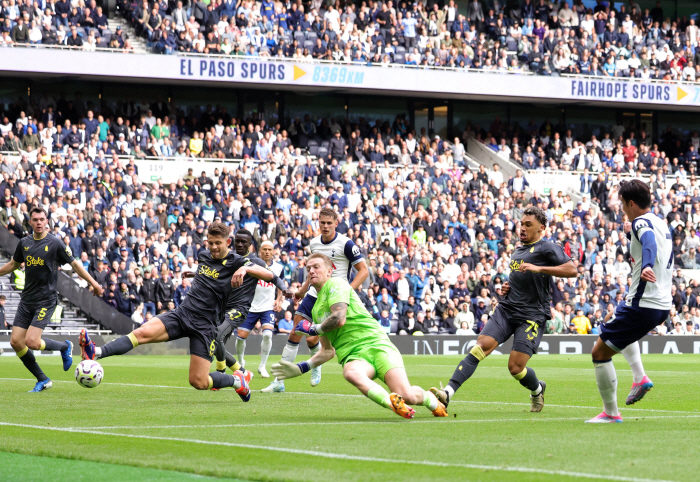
{"x":360,"y":329}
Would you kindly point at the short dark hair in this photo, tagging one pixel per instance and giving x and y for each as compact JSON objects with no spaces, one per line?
{"x":636,"y":191}
{"x":244,"y":232}
{"x":217,"y":228}
{"x":37,"y":210}
{"x":538,"y":214}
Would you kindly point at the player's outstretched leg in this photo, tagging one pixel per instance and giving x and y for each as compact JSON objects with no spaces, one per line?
{"x":466,"y":368}
{"x":607,"y":383}
{"x":641,"y":384}
{"x":265,"y":347}
{"x":152,"y":331}
{"x":397,"y":381}
{"x":527,"y":378}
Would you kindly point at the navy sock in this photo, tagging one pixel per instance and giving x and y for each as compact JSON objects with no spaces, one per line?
{"x":123,"y":344}
{"x":30,"y":362}
{"x":530,"y":380}
{"x":464,"y":371}
{"x":222,"y":380}
{"x":54,"y":345}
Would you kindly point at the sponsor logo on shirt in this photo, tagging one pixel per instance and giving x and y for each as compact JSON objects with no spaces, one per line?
{"x":32,"y":261}
{"x":209,"y":272}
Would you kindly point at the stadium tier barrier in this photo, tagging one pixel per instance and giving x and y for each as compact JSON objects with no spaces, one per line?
{"x":416,"y":345}
{"x":290,"y":60}
{"x":92,"y":305}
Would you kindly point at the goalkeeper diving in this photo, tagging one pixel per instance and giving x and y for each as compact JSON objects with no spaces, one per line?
{"x":363,"y":348}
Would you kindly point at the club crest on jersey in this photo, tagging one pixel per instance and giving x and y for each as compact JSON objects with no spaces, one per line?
{"x":46,"y":248}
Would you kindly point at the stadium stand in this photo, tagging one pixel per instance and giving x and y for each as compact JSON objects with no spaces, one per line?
{"x":530,"y":37}
{"x":435,"y":224}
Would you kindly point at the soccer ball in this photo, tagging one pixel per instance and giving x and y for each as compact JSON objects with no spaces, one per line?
{"x":89,"y":373}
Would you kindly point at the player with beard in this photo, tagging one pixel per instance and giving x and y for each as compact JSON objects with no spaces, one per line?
{"x":523,"y":311}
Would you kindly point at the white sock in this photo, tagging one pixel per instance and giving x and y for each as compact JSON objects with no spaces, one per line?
{"x":236,"y":383}
{"x":607,"y":386}
{"x":265,"y":347}
{"x":449,"y":391}
{"x":289,"y":353}
{"x":98,"y":352}
{"x":634,"y":358}
{"x":538,"y":391}
{"x":429,"y":400}
{"x":314,"y":349}
{"x":240,"y":350}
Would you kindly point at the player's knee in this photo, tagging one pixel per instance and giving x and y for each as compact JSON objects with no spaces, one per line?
{"x":294,"y":337}
{"x":17,"y":344}
{"x":267,"y":334}
{"x":515,"y":368}
{"x":199,"y":382}
{"x":33,"y":343}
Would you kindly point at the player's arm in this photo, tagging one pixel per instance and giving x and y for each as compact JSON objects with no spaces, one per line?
{"x":285,"y":369}
{"x":361,"y":276}
{"x":258,"y":272}
{"x":566,"y":270}
{"x":9,"y":267}
{"x":645,"y":235}
{"x":80,"y":271}
{"x":352,"y":252}
{"x":301,"y":292}
{"x":334,"y":321}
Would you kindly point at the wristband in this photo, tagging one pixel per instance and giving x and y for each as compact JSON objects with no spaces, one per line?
{"x":316,"y":327}
{"x":305,"y":366}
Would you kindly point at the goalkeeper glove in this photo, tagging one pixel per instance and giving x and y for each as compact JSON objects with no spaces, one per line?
{"x":285,"y":369}
{"x":306,"y":328}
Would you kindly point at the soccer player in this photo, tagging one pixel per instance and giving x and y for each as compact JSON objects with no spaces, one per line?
{"x":363,"y":348}
{"x":343,"y":254}
{"x":219,"y":270}
{"x":263,"y":308}
{"x":646,"y":306}
{"x":523,"y":311}
{"x":238,"y":304}
{"x":42,"y":253}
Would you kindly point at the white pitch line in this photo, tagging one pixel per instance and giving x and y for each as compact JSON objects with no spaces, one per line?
{"x":360,"y":458}
{"x":473,"y":402}
{"x":373,"y":422}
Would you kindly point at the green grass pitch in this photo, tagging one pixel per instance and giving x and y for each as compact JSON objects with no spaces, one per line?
{"x":145,"y":423}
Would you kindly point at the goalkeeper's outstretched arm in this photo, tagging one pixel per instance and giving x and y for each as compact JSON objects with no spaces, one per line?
{"x":285,"y":369}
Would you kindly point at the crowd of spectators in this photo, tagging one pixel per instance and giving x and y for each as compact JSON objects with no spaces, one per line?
{"x":437,"y":234}
{"x":540,"y":36}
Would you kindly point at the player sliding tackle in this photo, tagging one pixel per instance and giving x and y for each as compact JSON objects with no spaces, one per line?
{"x":523,"y":312}
{"x":220,"y":270}
{"x":364,"y":350}
{"x":646,"y":306}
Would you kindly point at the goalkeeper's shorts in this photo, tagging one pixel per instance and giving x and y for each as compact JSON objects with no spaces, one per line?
{"x":383,"y":357}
